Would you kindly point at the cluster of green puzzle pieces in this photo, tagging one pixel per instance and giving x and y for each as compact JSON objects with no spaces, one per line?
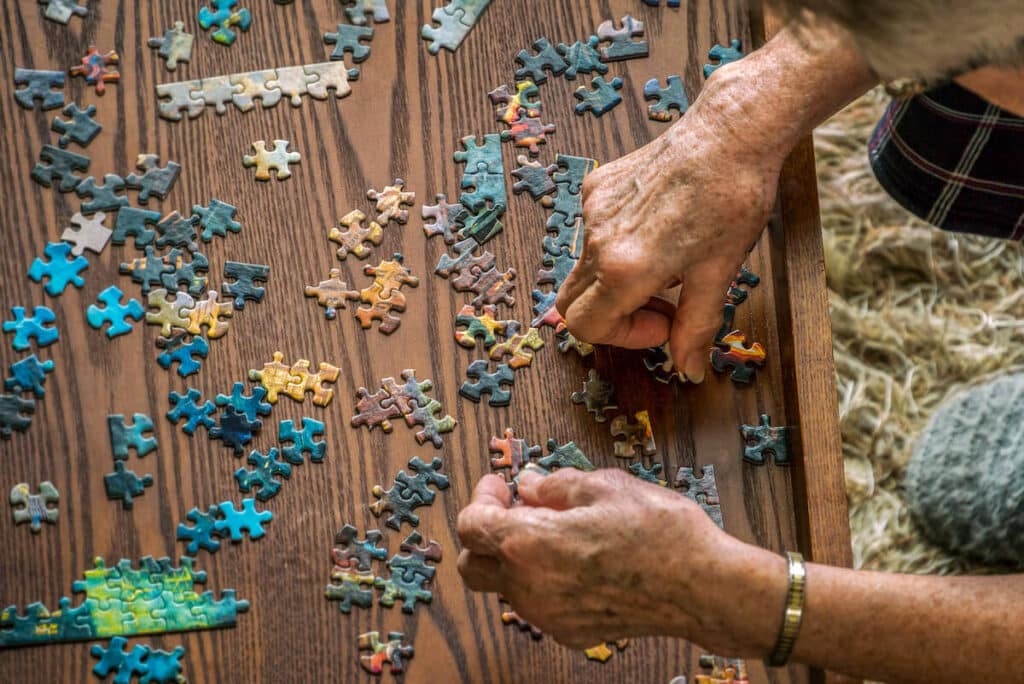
{"x":155,"y":597}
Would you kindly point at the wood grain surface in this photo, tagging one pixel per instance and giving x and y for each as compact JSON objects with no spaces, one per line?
{"x":404,"y":118}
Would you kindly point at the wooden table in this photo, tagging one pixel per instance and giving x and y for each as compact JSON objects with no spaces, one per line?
{"x":404,"y":118}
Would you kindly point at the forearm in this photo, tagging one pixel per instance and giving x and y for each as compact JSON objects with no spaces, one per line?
{"x":913,"y":628}
{"x":777,"y":95}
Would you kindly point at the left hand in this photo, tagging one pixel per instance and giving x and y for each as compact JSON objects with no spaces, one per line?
{"x":594,"y":557}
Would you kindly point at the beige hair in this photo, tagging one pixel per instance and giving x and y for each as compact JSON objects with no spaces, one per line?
{"x":923,"y":39}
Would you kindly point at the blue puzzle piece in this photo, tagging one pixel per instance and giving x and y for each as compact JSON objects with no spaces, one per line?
{"x":38,"y":85}
{"x":114,"y":312}
{"x":124,"y":436}
{"x":27,"y":328}
{"x":11,"y":409}
{"x":672,"y":96}
{"x":235,"y":430}
{"x":224,"y":16}
{"x":60,"y":271}
{"x":177,"y":231}
{"x":216,"y":219}
{"x":186,"y":355}
{"x":203,"y":533}
{"x":724,"y":55}
{"x":132,"y":222}
{"x":601,"y":97}
{"x":302,"y":441}
{"x":124,"y":484}
{"x":262,"y":475}
{"x":61,"y":167}
{"x":245,"y":277}
{"x":236,"y":522}
{"x":105,"y":197}
{"x":347,"y":39}
{"x":149,"y":270}
{"x":252,"y":406}
{"x":488,"y":383}
{"x":80,"y":128}
{"x":28,"y":375}
{"x":115,"y":659}
{"x":164,"y":667}
{"x":657,"y":3}
{"x":188,"y":406}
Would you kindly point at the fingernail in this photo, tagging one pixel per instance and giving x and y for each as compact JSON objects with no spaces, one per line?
{"x":694,"y":368}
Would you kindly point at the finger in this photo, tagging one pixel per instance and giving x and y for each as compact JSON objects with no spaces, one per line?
{"x":492,"y":490}
{"x":601,"y":318}
{"x":699,"y":316}
{"x":481,"y":573}
{"x":484,"y":524}
{"x":567,"y":488}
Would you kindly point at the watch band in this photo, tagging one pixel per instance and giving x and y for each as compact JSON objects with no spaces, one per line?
{"x":793,"y":614}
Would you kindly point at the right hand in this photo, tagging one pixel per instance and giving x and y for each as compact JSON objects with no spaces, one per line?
{"x":683,"y":210}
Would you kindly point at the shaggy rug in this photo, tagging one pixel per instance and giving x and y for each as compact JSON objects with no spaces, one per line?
{"x":917,"y":314}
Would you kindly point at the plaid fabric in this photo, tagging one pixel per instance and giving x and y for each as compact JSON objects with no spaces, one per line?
{"x":955,"y":160}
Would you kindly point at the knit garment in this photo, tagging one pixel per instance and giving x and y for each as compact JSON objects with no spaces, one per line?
{"x":965,"y":480}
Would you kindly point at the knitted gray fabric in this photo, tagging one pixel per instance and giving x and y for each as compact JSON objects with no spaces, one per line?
{"x":965,"y":480}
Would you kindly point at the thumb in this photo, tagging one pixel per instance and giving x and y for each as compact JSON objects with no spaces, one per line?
{"x":567,"y":488}
{"x":699,"y":316}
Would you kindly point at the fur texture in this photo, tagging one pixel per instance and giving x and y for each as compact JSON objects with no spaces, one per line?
{"x":923,"y":39}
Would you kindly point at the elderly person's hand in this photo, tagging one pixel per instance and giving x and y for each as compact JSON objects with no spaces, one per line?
{"x":685,"y":209}
{"x":592,"y":557}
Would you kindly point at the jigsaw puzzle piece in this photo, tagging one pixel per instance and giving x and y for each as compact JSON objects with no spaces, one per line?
{"x":60,"y":271}
{"x":533,"y":177}
{"x":582,"y":57}
{"x":125,"y":436}
{"x":566,"y":455}
{"x":87,"y":233}
{"x":179,"y":97}
{"x":275,"y":377}
{"x":125,"y":485}
{"x":329,"y":76}
{"x":390,"y":202}
{"x":235,"y":430}
{"x":114,"y":312}
{"x":203,"y":533}
{"x":515,"y":452}
{"x":60,"y":166}
{"x":132,"y":222}
{"x":346,"y":587}
{"x":447,"y":219}
{"x":61,"y":10}
{"x":601,"y":97}
{"x":35,"y":509}
{"x":332,"y":294}
{"x":28,"y":375}
{"x":217,"y":219}
{"x":348,"y":38}
{"x":621,"y":44}
{"x":703,"y":490}
{"x":206,"y":316}
{"x":80,"y":128}
{"x":296,"y":443}
{"x":492,"y":384}
{"x":357,"y":554}
{"x":392,"y":651}
{"x":261,"y":476}
{"x":520,"y":347}
{"x":638,"y":435}
{"x":244,"y":278}
{"x":254,"y":85}
{"x":358,"y":10}
{"x":672,"y":96}
{"x":731,"y":355}
{"x":764,"y":439}
{"x":484,"y":224}
{"x":224,"y":16}
{"x":544,"y":58}
{"x":35,"y":327}
{"x":597,"y":396}
{"x":276,"y":160}
{"x":154,"y":180}
{"x":236,"y":523}
{"x":293,"y":83}
{"x":46,"y":87}
{"x":174,"y":46}
{"x":105,"y":197}
{"x":98,"y":68}
{"x":355,"y":239}
{"x":188,"y":407}
{"x":723,"y":55}
{"x":251,"y":406}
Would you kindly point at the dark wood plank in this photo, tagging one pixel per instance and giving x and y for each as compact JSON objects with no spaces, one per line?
{"x":404,"y":118}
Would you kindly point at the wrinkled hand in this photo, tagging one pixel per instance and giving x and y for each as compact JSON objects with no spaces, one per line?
{"x":685,"y":209}
{"x":593,"y":557}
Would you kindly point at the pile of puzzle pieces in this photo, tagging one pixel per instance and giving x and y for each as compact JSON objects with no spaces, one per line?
{"x":153,"y":598}
{"x":410,"y":571}
{"x":383,"y":299}
{"x":407,"y":399}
